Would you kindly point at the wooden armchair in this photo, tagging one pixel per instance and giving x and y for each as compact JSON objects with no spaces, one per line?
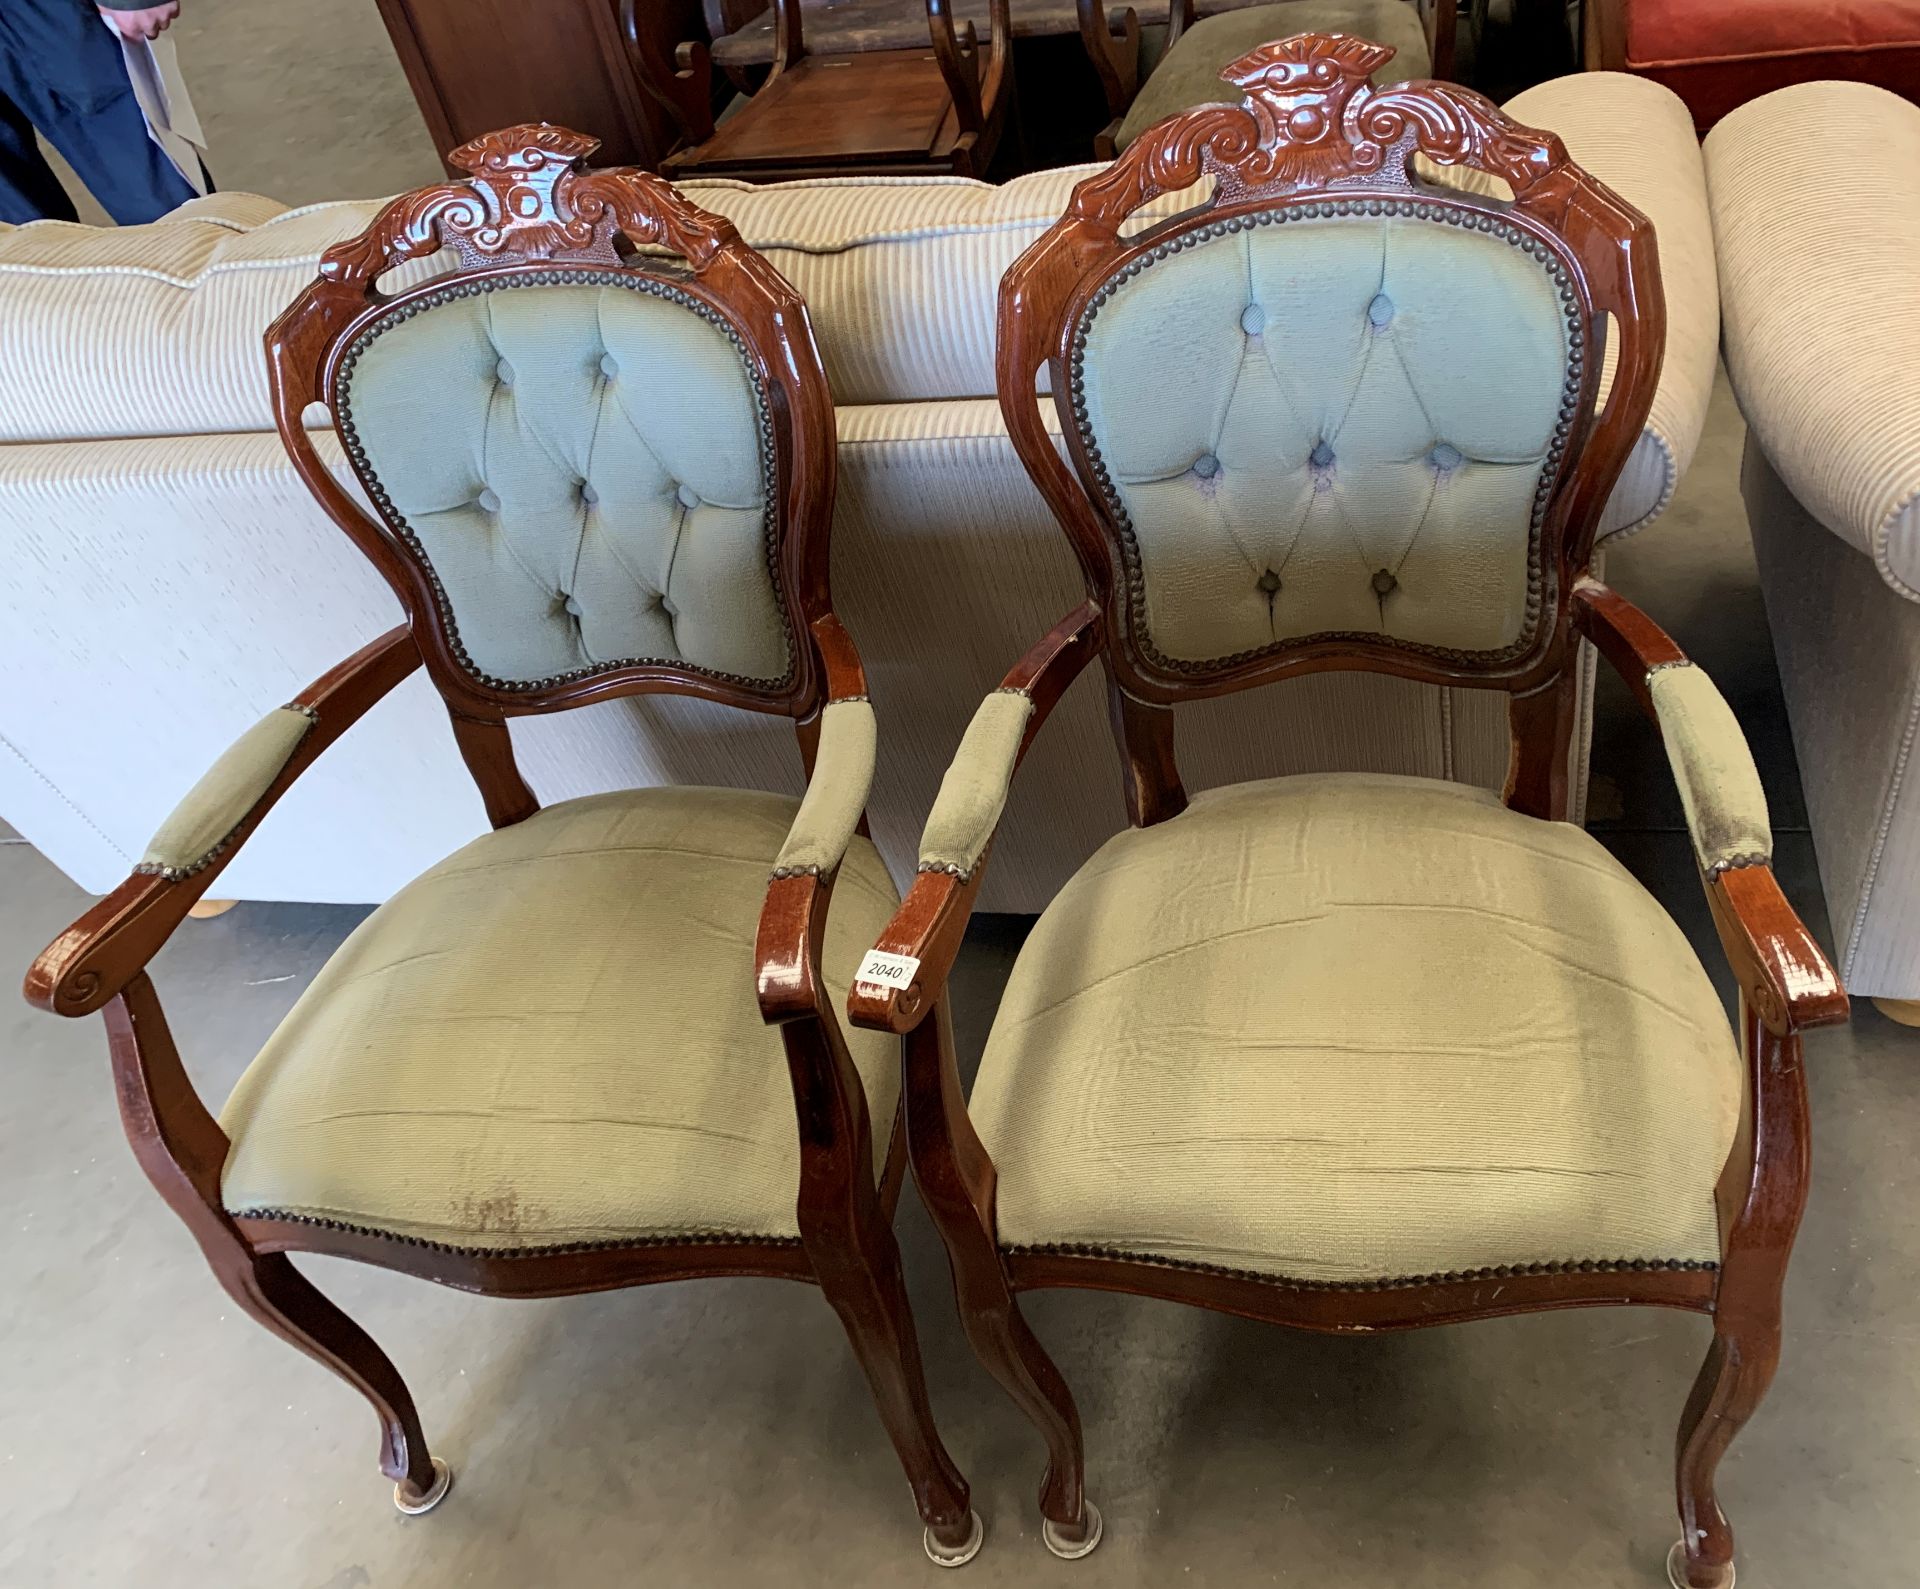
{"x":595,"y":1047}
{"x":1199,"y":49}
{"x":937,"y":108}
{"x":1347,"y":1051}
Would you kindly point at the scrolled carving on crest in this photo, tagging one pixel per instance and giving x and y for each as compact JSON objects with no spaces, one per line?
{"x":530,"y":200}
{"x":1312,"y":119}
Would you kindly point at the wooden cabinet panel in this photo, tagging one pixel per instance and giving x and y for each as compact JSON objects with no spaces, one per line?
{"x":477,"y":65}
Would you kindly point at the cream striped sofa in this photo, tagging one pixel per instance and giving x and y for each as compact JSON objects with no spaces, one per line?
{"x":169,"y":580}
{"x":1816,"y":208}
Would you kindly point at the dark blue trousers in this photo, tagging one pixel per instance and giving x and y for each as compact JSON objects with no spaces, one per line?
{"x":62,"y":71}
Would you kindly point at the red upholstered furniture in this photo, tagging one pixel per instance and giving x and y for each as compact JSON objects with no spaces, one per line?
{"x":1716,"y":54}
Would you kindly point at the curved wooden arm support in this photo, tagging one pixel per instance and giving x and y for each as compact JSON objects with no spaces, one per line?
{"x":932,"y":919}
{"x":102,"y":952}
{"x":684,"y":85}
{"x":1781,"y":970}
{"x":793,"y":921}
{"x":1115,"y":54}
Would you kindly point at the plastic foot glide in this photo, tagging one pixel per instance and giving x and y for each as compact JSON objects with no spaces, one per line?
{"x":1073,"y":1549}
{"x":413,"y":1505}
{"x":1677,"y":1569}
{"x":956,"y":1555}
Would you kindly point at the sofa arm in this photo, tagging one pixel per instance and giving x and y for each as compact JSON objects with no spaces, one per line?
{"x":1816,"y":214}
{"x":1637,"y":137}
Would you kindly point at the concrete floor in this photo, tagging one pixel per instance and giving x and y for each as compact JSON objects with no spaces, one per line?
{"x":719,"y":1434}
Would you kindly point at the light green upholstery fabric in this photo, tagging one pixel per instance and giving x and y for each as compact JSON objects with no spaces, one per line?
{"x":1353,"y":1027}
{"x":836,"y":793}
{"x":552,"y":1036}
{"x":1329,"y":425}
{"x":582,"y":468}
{"x":1189,"y":74}
{"x":1719,"y":785}
{"x":196,"y":830}
{"x":973,"y":792}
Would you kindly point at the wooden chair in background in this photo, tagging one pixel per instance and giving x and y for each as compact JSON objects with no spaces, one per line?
{"x":1202,"y":42}
{"x":935,"y":108}
{"x":596,"y":1047}
{"x":1352,"y":1052}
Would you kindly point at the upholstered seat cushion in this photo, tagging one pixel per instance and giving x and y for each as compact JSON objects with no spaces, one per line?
{"x":1189,"y":75}
{"x":1353,"y":1027}
{"x":552,"y":1037}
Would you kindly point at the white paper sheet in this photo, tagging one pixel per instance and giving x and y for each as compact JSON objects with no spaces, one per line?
{"x":153,"y":67}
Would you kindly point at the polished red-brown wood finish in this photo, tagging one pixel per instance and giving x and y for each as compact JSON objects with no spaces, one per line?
{"x":1312,"y":131}
{"x":532,"y":206}
{"x":935,"y":107}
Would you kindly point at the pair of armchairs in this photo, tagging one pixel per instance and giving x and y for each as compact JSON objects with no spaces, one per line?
{"x":1343,"y":1051}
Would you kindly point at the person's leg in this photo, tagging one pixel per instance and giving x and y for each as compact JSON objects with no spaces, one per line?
{"x":29,"y":191}
{"x":68,"y":75}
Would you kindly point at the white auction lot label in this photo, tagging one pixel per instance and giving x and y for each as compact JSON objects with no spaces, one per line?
{"x":888,"y":971}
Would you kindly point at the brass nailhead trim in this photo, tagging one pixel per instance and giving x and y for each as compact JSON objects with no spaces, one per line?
{"x":698,"y":1239}
{"x":1436,"y":213}
{"x":179,"y":874}
{"x":1394,"y":1283}
{"x":350,"y":439}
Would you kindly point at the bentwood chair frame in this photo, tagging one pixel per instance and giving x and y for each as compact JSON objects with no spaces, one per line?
{"x":533,"y":212}
{"x":869,"y":138}
{"x":1313,"y":135}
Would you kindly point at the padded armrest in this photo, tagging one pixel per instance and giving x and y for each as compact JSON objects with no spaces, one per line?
{"x":1816,"y":213}
{"x":198,"y":829}
{"x":836,"y":794}
{"x":974,"y":791}
{"x":1719,"y":785}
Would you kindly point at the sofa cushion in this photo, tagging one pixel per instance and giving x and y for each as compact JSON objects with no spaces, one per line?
{"x":1821,"y":295}
{"x":156,"y":330}
{"x":1718,"y":54}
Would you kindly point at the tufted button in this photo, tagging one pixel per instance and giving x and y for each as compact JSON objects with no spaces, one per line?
{"x":1206,"y":466}
{"x":689,"y":498}
{"x":1322,"y":455}
{"x":1269,"y":582}
{"x":588,"y":495}
{"x":1446,"y":457}
{"x":503,"y":373}
{"x":573,"y":606}
{"x":1254,"y":321}
{"x":489,"y":503}
{"x":1380,"y":311}
{"x":608,"y":367}
{"x":1384,"y":583}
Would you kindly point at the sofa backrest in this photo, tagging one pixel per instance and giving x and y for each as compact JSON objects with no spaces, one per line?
{"x":155,"y":330}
